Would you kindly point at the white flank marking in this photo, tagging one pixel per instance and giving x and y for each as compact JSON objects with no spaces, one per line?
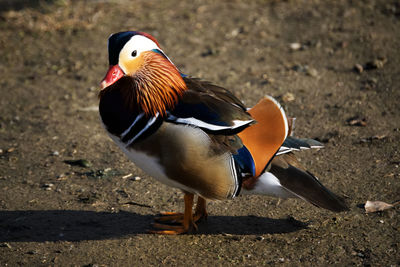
{"x":234,"y":175}
{"x":268,"y":185}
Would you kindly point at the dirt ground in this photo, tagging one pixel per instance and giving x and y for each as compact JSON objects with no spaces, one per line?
{"x":69,"y":197}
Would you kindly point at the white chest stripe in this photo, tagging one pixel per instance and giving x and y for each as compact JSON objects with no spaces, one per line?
{"x":133,"y":124}
{"x":147,"y":126}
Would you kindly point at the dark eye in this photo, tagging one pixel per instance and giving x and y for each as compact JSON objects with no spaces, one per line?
{"x":134,"y":53}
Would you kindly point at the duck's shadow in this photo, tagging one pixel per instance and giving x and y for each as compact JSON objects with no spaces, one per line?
{"x":74,"y":225}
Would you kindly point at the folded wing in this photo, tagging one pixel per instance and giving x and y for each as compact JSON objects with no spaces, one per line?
{"x":211,"y":108}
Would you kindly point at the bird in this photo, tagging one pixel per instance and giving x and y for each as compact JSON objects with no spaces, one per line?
{"x":199,"y":137}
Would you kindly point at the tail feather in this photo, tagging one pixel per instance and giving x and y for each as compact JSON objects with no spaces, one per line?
{"x":294,"y":144}
{"x":305,"y":185}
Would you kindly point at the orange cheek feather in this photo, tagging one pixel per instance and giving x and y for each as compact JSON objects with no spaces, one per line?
{"x":131,"y":66}
{"x":157,"y":82}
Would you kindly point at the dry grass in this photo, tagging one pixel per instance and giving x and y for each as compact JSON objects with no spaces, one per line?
{"x":56,"y":16}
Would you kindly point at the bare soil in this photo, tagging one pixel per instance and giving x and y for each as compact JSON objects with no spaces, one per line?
{"x":334,"y":65}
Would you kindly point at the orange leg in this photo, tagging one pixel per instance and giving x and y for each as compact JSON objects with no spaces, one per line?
{"x":177,"y":217}
{"x":201,"y":209}
{"x":187,"y":223}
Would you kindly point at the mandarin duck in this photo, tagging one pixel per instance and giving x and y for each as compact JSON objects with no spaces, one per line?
{"x":198,"y":137}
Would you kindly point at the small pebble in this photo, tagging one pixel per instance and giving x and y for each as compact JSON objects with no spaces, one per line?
{"x":344,"y":44}
{"x":56,"y":153}
{"x":235,"y":32}
{"x":358,"y":68}
{"x":127,"y":176}
{"x":375,"y":64}
{"x":299,"y":68}
{"x":371,"y":138}
{"x":79,"y":162}
{"x":136,"y":178}
{"x":357,"y":121}
{"x":48,"y":186}
{"x":208,"y":52}
{"x":5,"y":245}
{"x":288,"y":97}
{"x":312,"y":72}
{"x":295,"y":46}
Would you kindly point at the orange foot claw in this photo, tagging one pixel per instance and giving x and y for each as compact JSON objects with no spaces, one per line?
{"x":166,"y":232}
{"x":173,"y":223}
{"x":167,"y":229}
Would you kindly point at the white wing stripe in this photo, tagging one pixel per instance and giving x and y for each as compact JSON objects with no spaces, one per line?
{"x":213,"y":127}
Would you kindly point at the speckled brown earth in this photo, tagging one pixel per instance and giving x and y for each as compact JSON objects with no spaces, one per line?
{"x":53,"y":55}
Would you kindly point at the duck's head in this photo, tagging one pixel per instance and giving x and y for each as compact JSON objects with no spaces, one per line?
{"x":138,"y":56}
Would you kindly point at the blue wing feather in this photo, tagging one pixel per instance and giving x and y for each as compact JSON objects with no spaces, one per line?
{"x":245,"y":161}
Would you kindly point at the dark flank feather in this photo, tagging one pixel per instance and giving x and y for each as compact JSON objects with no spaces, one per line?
{"x":212,"y":108}
{"x":304,"y":184}
{"x":205,"y":87}
{"x":295,"y":143}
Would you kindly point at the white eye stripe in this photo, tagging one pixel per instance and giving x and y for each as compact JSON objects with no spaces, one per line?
{"x":139,"y":43}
